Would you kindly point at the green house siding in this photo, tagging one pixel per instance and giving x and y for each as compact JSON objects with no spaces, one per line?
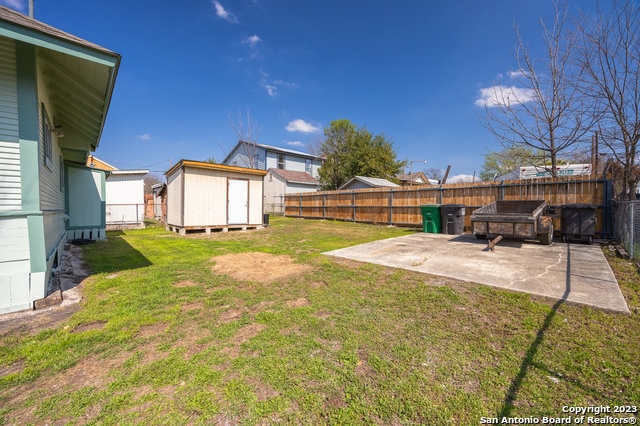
{"x":47,"y":74}
{"x":10,"y":192}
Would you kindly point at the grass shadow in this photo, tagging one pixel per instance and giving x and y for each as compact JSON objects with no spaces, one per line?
{"x":113,"y":255}
{"x":528,"y":359}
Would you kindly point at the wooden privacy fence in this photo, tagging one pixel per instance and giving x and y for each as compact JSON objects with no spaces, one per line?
{"x":401,"y":206}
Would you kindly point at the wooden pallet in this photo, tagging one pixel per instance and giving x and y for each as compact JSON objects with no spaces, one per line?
{"x":184,"y":230}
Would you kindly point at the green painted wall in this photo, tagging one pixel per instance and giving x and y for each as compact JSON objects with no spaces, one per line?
{"x":28,"y":127}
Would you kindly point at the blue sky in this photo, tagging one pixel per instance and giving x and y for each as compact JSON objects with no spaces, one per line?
{"x":414,"y":70}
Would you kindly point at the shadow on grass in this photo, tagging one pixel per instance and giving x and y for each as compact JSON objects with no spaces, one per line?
{"x":528,"y":361}
{"x":113,"y":255}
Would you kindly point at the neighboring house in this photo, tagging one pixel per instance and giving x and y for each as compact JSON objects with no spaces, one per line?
{"x":124,"y":194}
{"x":96,"y":163}
{"x":277,"y":183}
{"x":125,"y":198}
{"x":535,"y":172}
{"x":415,"y":178}
{"x":264,"y":157}
{"x":55,"y":93}
{"x":205,"y":196}
{"x":159,"y":192}
{"x":361,"y":182}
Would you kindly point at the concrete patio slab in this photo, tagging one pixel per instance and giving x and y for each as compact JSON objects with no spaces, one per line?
{"x":576,"y":273}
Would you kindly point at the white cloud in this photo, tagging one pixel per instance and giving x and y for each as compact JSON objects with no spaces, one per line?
{"x":14,"y":4}
{"x":272,"y":87}
{"x":283,"y":83}
{"x":460,"y":178}
{"x":252,"y":41}
{"x":295,"y":143}
{"x":517,"y":74}
{"x":504,"y":96}
{"x":223,"y":13}
{"x":144,"y":137}
{"x":299,"y":125}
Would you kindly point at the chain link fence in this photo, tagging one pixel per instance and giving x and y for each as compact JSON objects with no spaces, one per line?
{"x":626,"y":222}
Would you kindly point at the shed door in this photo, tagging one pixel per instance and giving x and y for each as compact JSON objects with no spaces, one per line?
{"x":238,"y":201}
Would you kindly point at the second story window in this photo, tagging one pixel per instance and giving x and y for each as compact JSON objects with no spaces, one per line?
{"x":307,"y":166}
{"x":281,"y":161}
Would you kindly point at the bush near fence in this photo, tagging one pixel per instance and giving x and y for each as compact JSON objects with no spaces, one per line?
{"x":401,"y":206}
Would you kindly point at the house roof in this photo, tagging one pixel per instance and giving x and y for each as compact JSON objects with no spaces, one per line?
{"x":79,"y":76}
{"x":270,"y":148}
{"x":295,"y":177}
{"x":96,"y":163}
{"x":129,"y":172}
{"x":414,"y":177}
{"x":213,"y":166}
{"x":371,"y":181}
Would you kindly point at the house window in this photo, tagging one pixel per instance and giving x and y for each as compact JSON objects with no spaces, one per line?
{"x":307,"y":166}
{"x":281,"y":161}
{"x":46,"y":138}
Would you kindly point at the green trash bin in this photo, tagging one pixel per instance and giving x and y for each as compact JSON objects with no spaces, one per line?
{"x":431,"y":218}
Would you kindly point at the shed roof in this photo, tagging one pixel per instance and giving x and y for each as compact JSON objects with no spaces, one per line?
{"x":213,"y":166}
{"x":371,"y":181}
{"x":295,"y":177}
{"x":129,"y":172}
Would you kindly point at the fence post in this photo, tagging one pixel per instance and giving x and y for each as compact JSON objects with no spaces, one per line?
{"x":390,"y":198}
{"x":300,"y":205}
{"x":324,"y":205}
{"x":353,"y":205}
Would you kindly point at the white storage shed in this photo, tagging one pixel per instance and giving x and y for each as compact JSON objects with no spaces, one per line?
{"x":125,"y":198}
{"x":205,"y":196}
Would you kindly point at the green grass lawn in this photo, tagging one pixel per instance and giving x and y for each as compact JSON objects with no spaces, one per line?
{"x":163,"y":337}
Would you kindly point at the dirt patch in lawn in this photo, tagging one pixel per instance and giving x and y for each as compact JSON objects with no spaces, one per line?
{"x":185,"y":283}
{"x":242,"y":335}
{"x":257,"y":266}
{"x":298,"y":303}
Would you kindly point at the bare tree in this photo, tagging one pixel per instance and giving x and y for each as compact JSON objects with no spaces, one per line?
{"x":544,"y":110}
{"x":314,"y":147}
{"x":150,"y":180}
{"x":433,"y":173}
{"x":610,"y":56}
{"x":247,"y":130}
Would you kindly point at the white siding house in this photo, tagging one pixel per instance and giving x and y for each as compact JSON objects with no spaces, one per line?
{"x":205,"y":196}
{"x":124,"y":194}
{"x":45,"y":191}
{"x":125,"y":197}
{"x":264,"y":157}
{"x":278,"y":183}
